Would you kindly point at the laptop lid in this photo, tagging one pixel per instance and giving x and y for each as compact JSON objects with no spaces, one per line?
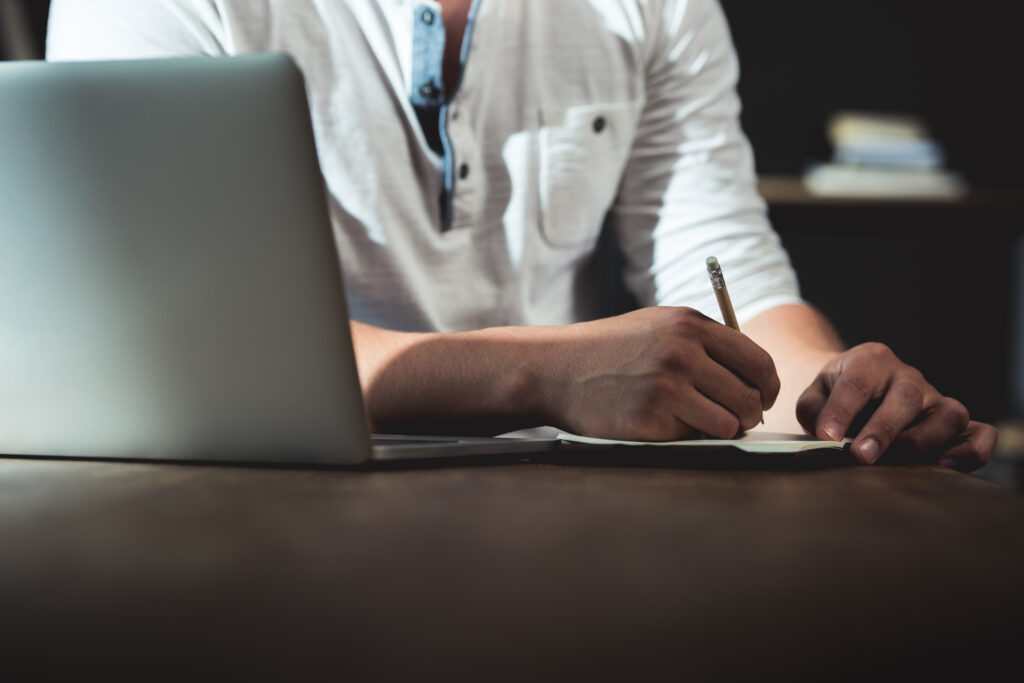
{"x":169,"y":286}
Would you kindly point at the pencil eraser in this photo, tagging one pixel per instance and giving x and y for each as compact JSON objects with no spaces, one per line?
{"x":713,"y":263}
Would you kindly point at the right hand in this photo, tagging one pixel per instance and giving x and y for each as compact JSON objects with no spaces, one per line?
{"x":657,"y":374}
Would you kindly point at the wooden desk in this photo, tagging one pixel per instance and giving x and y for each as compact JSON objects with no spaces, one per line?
{"x":525,"y":571}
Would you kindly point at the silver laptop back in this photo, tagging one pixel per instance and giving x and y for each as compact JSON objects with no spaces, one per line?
{"x":169,"y":287}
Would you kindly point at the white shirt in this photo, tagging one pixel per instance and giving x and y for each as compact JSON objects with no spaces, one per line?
{"x":568,"y":112}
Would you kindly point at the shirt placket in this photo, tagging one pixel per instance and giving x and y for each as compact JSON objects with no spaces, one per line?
{"x":456,"y":138}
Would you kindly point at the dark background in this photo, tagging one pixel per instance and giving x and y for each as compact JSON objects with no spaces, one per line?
{"x":38,"y":11}
{"x":956,"y":64}
{"x":940,"y":284}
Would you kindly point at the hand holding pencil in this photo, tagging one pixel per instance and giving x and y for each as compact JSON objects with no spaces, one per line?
{"x":661,"y":373}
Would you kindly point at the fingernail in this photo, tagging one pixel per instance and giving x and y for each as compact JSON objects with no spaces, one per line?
{"x":832,"y":430}
{"x":869,"y":450}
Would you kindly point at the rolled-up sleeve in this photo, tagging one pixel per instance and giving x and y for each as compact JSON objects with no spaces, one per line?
{"x":689,"y":190}
{"x":131,"y":29}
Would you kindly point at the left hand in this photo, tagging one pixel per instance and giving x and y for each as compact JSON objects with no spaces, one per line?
{"x":870,"y":383}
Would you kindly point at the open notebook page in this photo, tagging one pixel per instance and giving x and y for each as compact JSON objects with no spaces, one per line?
{"x":752,"y":442}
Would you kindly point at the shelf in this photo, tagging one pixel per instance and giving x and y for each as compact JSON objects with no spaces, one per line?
{"x":790,"y":190}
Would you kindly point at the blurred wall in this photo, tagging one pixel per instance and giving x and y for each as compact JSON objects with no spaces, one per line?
{"x":956,"y":64}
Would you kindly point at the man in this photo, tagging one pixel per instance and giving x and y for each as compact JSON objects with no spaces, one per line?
{"x":472,"y":150}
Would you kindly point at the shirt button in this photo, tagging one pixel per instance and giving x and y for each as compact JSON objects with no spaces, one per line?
{"x":599,"y":124}
{"x":427,"y":17}
{"x":429,"y":90}
{"x":463,"y":171}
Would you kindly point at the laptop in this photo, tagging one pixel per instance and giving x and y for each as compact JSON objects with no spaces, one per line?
{"x":169,"y":285}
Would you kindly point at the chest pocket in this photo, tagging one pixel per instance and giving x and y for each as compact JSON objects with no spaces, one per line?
{"x":583,"y":151}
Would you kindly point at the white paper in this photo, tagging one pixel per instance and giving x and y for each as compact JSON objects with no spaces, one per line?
{"x":753,"y":442}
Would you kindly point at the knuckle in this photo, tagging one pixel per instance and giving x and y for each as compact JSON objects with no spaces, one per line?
{"x":672,"y":357}
{"x":660,"y":393}
{"x":858,"y":385}
{"x":687,"y":321}
{"x":887,"y":428}
{"x":975,"y":451}
{"x":878,"y":351}
{"x":987,"y":438}
{"x":917,"y":377}
{"x":959,"y":414}
{"x":888,"y":423}
{"x":908,"y":376}
{"x":910,"y":393}
{"x":993,"y":434}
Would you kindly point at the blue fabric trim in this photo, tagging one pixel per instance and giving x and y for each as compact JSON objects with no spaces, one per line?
{"x":427,"y":57}
{"x":448,"y":193}
{"x":427,"y":95}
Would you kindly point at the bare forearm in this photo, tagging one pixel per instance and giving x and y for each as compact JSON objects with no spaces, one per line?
{"x":800,"y":341}
{"x":646,"y":375}
{"x":479,"y":382}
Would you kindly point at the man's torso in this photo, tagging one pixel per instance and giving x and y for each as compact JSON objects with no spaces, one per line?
{"x":537,"y":135}
{"x":469,"y":176}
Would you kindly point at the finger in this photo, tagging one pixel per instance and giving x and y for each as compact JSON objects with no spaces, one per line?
{"x":705,"y":415}
{"x":974,"y":450}
{"x":903,"y":403}
{"x":941,"y":423}
{"x":737,"y":353}
{"x":729,"y":391}
{"x":810,"y":405}
{"x":850,"y":393}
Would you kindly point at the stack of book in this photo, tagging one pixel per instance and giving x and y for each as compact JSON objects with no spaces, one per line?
{"x":883,"y":156}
